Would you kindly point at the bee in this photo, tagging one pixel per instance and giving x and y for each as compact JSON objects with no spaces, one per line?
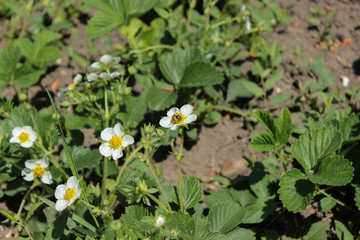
{"x":176,"y":118}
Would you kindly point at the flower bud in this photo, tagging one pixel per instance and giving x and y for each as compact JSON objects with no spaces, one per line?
{"x":132,"y":70}
{"x":159,"y":221}
{"x":159,"y":132}
{"x":149,"y":128}
{"x":22,"y":97}
{"x":127,"y":90}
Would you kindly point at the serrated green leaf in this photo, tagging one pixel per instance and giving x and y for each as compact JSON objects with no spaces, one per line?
{"x":102,"y":23}
{"x":317,"y":231}
{"x":182,"y":222}
{"x":280,"y":98}
{"x":295,"y":190}
{"x":27,"y":75}
{"x":137,"y":7}
{"x":173,"y":64}
{"x":224,"y":217}
{"x":83,"y":157}
{"x":357,"y":196}
{"x":26,"y":47}
{"x":199,"y":74}
{"x":21,"y":116}
{"x":240,"y":233}
{"x":271,"y":81}
{"x":159,"y":99}
{"x":326,"y":203}
{"x":253,"y":88}
{"x":285,"y":126}
{"x":243,"y":197}
{"x":47,"y":54}
{"x":350,"y":128}
{"x":236,"y":89}
{"x":260,"y":182}
{"x":191,"y":192}
{"x":132,"y":218}
{"x":268,"y":122}
{"x":312,"y":146}
{"x":342,"y":232}
{"x":333,"y":170}
{"x":264,"y":142}
{"x":260,"y":209}
{"x":41,"y":40}
{"x":7,"y":215}
{"x":9,"y":57}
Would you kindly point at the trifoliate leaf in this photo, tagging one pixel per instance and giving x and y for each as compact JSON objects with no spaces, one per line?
{"x":295,"y":190}
{"x":312,"y":146}
{"x":264,"y":142}
{"x":268,"y":122}
{"x":191,"y":192}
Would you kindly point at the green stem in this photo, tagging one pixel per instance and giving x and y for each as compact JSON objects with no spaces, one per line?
{"x":22,"y":204}
{"x":180,"y":159}
{"x":103,"y":186}
{"x":192,"y":4}
{"x":228,"y":109}
{"x":160,"y":187}
{"x":10,"y":162}
{"x":157,"y":201}
{"x":150,"y":48}
{"x":107,"y":116}
{"x":282,"y":160}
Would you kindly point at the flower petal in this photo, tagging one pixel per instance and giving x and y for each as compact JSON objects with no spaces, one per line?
{"x":105,"y":76}
{"x":118,"y":130}
{"x":43,"y":162}
{"x":31,"y":164}
{"x":174,"y":127}
{"x":107,"y":134}
{"x":26,"y":144}
{"x":77,"y":78}
{"x":114,"y":74}
{"x":92,"y":77}
{"x":116,"y":60}
{"x":33,"y":136}
{"x":72,"y":182}
{"x":28,"y":175}
{"x":60,"y":191}
{"x":14,"y":140}
{"x":172,"y":111}
{"x":117,"y":153}
{"x":61,"y":205}
{"x":16,"y":131}
{"x":46,"y":178}
{"x":127,"y":140}
{"x":187,"y":109}
{"x":95,"y":66}
{"x":105,"y":59}
{"x":165,"y":122}
{"x":105,"y":150}
{"x":190,"y":119}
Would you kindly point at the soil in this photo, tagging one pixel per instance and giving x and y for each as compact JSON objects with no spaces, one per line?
{"x":229,"y":140}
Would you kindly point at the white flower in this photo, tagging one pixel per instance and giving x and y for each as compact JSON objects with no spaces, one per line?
{"x":115,"y":141}
{"x":76,"y":79}
{"x":159,"y":221}
{"x":23,"y":135}
{"x":67,"y":194}
{"x":176,"y":117}
{"x":345,"y":81}
{"x":37,"y":168}
{"x":92,"y":77}
{"x":106,"y":61}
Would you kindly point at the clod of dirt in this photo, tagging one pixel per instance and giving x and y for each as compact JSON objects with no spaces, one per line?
{"x":234,"y":167}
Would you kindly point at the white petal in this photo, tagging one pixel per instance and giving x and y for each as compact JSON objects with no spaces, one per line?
{"x":44,"y":162}
{"x":27,"y":129}
{"x":95,"y":66}
{"x":117,"y":153}
{"x":46,"y":178}
{"x":26,"y":144}
{"x":166,"y":122}
{"x":159,"y":221}
{"x":172,"y":111}
{"x":16,"y":131}
{"x":72,"y":182}
{"x":174,"y":127}
{"x":187,"y":109}
{"x":61,"y":205}
{"x":105,"y":59}
{"x":60,"y":191}
{"x":33,"y":136}
{"x":92,"y":77}
{"x":114,"y":74}
{"x":118,"y":130}
{"x":77,"y":78}
{"x":107,"y":134}
{"x":28,"y":175}
{"x":104,"y":76}
{"x":127,"y":140}
{"x":105,"y":150}
{"x":31,"y":164}
{"x":190,"y":119}
{"x":14,"y":140}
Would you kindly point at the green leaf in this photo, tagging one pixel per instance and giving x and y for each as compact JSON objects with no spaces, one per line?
{"x":326,"y":203}
{"x":333,"y":170}
{"x":357,"y":196}
{"x":312,"y":146}
{"x":280,"y":98}
{"x":212,"y":117}
{"x":8,"y":215}
{"x":83,"y":157}
{"x":318,"y":67}
{"x":135,"y":109}
{"x":9,"y":57}
{"x":83,"y":222}
{"x":268,"y":122}
{"x":159,"y":99}
{"x":102,"y":23}
{"x":224,"y":217}
{"x":32,"y":210}
{"x":285,"y":126}
{"x":243,"y":197}
{"x":260,"y":209}
{"x":236,"y":89}
{"x":173,"y":64}
{"x":199,"y":74}
{"x":26,"y":47}
{"x":271,"y":81}
{"x":41,"y":40}
{"x":136,"y":7}
{"x":27,"y":75}
{"x":132,"y":218}
{"x":295,"y":190}
{"x":317,"y":231}
{"x":240,"y":233}
{"x":350,"y":128}
{"x":258,"y":68}
{"x":191,"y":192}
{"x":342,"y":232}
{"x":47,"y":54}
{"x":182,"y":222}
{"x":264,"y":142}
{"x":259,"y":181}
{"x":253,"y":88}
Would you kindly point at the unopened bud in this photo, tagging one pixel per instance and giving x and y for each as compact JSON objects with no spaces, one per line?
{"x":22,"y":97}
{"x":132,"y":70}
{"x":149,"y":128}
{"x":159,"y":132}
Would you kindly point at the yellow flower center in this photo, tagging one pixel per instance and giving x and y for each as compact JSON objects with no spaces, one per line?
{"x":115,"y":142}
{"x":69,"y":194}
{"x":24,"y":137}
{"x":71,"y":86}
{"x":178,"y":118}
{"x":39,"y":171}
